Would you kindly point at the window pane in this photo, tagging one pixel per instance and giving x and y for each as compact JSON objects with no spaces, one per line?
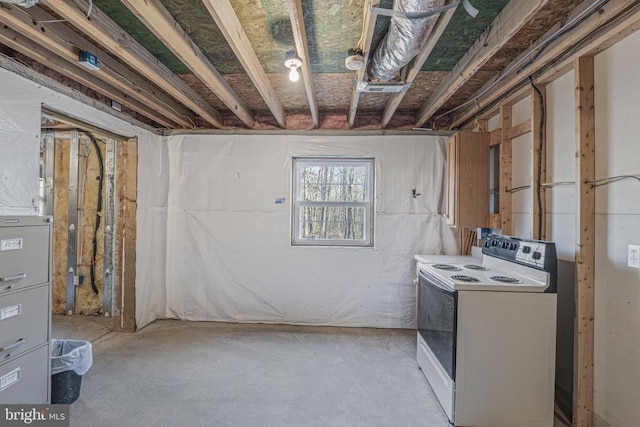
{"x":333,"y":183}
{"x":331,"y":222}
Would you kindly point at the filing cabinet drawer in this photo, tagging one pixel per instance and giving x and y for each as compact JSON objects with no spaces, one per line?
{"x":24,"y":257}
{"x":25,"y":379}
{"x":24,"y":316}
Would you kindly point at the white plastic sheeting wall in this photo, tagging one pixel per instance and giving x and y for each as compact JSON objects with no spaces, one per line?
{"x":228,"y":251}
{"x":20,"y":153}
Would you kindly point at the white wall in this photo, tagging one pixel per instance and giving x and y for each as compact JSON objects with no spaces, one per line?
{"x":617,"y":312}
{"x":20,"y":103}
{"x":228,"y":250}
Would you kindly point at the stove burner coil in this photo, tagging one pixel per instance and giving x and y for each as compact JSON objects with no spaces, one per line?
{"x":476,"y":267}
{"x":505,"y":279}
{"x":446,"y":267}
{"x":464,"y":278}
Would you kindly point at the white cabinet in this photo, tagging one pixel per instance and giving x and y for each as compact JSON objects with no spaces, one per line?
{"x":25,"y":309}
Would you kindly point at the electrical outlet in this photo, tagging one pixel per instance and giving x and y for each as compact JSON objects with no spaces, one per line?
{"x":633,"y":259}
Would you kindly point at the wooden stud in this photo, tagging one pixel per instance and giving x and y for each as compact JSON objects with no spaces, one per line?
{"x":368,"y":25}
{"x":505,"y":171}
{"x":36,"y":52}
{"x":492,"y":91}
{"x":495,"y":137}
{"x":64,"y":44}
{"x":104,"y":31}
{"x":227,"y":21}
{"x":585,"y":240}
{"x":125,"y":251}
{"x":494,"y":220}
{"x":519,"y":129}
{"x":620,"y":27}
{"x":512,"y":18}
{"x":538,"y":165}
{"x":300,"y":37}
{"x":417,"y":63}
{"x":160,"y":22}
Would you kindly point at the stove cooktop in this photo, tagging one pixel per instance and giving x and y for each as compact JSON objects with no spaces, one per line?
{"x":513,"y":278}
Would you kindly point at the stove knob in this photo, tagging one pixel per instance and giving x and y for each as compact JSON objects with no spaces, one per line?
{"x":494,"y":243}
{"x":526,"y":249}
{"x":536,"y":255}
{"x":505,"y":245}
{"x":487,"y":244}
{"x":513,"y":246}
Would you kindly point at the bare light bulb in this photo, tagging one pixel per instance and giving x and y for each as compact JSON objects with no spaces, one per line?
{"x":294,"y":75}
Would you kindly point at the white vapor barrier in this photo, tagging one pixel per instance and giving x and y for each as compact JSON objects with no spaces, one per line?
{"x":228,"y":243}
{"x":20,"y":154}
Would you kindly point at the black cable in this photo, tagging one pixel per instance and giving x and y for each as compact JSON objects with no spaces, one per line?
{"x":539,"y":155}
{"x":546,"y":43}
{"x":94,"y":242}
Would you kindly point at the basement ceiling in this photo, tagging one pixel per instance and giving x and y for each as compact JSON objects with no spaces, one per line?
{"x":257,"y":92}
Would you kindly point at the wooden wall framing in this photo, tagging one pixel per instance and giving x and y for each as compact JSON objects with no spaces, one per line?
{"x":585,"y":240}
{"x":125,"y":251}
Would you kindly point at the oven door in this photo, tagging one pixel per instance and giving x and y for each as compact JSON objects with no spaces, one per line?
{"x":437,"y":314}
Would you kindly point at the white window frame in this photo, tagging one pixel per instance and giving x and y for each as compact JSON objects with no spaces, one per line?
{"x":368,"y":204}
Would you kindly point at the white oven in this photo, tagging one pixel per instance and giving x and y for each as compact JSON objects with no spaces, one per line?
{"x":486,"y":333}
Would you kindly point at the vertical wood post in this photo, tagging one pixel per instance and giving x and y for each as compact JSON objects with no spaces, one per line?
{"x":585,"y":240}
{"x":124,"y":318}
{"x":539,"y":164}
{"x":505,"y":170}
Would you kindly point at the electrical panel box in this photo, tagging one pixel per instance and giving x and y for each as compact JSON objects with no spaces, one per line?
{"x":25,"y":309}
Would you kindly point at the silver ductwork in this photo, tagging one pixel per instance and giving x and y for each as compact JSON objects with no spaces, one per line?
{"x":404,"y":40}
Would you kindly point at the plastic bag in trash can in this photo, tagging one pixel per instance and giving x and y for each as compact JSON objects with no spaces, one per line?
{"x":67,"y":355}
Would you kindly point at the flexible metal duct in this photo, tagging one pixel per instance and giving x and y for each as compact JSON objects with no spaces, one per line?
{"x":404,"y":39}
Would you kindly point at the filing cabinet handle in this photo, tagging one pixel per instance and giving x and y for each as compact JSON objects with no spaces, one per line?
{"x":13,"y":346}
{"x":13,"y":277}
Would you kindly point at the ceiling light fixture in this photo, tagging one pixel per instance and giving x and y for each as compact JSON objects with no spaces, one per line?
{"x":292,"y":62}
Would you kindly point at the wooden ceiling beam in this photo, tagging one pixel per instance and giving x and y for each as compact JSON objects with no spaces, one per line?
{"x":66,"y":43}
{"x":514,"y":16}
{"x":368,"y":25}
{"x":113,"y":38}
{"x":417,"y":63}
{"x":227,"y":21}
{"x":33,"y":50}
{"x":514,"y":73}
{"x":160,"y":22}
{"x":300,"y":37}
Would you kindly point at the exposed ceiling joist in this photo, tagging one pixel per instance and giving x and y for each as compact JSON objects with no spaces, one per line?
{"x":66,"y":43}
{"x":33,"y":50}
{"x":157,"y":19}
{"x":103,"y":30}
{"x":417,"y":63}
{"x":227,"y":21}
{"x":300,"y":36}
{"x":368,"y":25}
{"x":513,"y":17}
{"x":512,"y":76}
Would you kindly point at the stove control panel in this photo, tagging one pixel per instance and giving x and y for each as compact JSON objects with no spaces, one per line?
{"x":532,"y":253}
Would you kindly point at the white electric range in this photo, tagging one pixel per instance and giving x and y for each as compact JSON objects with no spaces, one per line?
{"x":486,"y":332}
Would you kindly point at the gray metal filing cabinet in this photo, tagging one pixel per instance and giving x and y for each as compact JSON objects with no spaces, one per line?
{"x":25,"y":309}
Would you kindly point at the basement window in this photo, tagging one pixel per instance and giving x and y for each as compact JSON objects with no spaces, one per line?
{"x":332,"y":201}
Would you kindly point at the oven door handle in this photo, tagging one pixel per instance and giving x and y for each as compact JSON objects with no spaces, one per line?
{"x":435,"y":284}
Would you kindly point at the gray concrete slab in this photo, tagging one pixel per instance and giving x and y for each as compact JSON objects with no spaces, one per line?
{"x":175,"y":373}
{"x":88,"y":328}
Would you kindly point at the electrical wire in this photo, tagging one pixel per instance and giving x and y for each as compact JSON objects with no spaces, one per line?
{"x":554,"y":184}
{"x":94,"y":242}
{"x":587,"y":13}
{"x":538,"y":171}
{"x":516,"y":189}
{"x":610,"y":180}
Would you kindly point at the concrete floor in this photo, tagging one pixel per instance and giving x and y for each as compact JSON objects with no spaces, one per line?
{"x":174,"y":373}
